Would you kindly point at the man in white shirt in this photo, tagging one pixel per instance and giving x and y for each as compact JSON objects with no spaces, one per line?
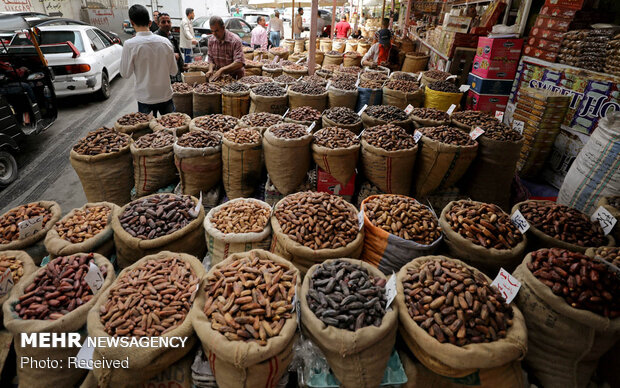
{"x":150,"y":59}
{"x":320,"y":24}
{"x":187,"y":35}
{"x":259,"y":34}
{"x":275,"y":29}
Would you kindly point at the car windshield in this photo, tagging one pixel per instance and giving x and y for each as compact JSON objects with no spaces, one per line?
{"x":200,"y":21}
{"x":51,"y":42}
{"x":253,"y":19}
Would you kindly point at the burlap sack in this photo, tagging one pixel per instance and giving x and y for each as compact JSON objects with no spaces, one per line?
{"x":144,"y":362}
{"x":200,"y":169}
{"x":54,"y":208}
{"x":277,"y":105}
{"x":241,"y":167}
{"x":352,"y":59}
{"x":135,"y":131}
{"x":153,"y":168}
{"x":340,"y":97}
{"x":206,"y":104}
{"x":304,"y":257}
{"x":272,"y":72}
{"x":241,"y":364}
{"x":294,"y":73}
{"x":326,"y":45}
{"x":180,"y":130}
{"x":390,"y":171}
{"x":454,"y":361}
{"x":402,"y":99}
{"x":490,"y":175}
{"x":373,"y":122}
{"x":101,"y":243}
{"x":440,"y":165}
{"x":221,"y":245}
{"x":130,"y":249}
{"x":414,"y":62}
{"x":459,"y":124}
{"x":72,"y":322}
{"x":332,"y":59}
{"x":287,"y":161}
{"x":604,"y":202}
{"x":488,"y":260}
{"x":441,"y":100}
{"x":296,"y":100}
{"x":337,"y":162}
{"x":253,"y":69}
{"x":538,"y":239}
{"x":387,"y":251}
{"x":183,"y":102}
{"x":355,"y":128}
{"x":357,"y":358}
{"x":278,"y":52}
{"x":317,"y":124}
{"x":28,"y":267}
{"x":564,"y":343}
{"x":105,"y":177}
{"x":419,"y":122}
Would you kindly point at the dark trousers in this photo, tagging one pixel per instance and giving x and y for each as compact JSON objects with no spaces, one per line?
{"x":162,"y":108}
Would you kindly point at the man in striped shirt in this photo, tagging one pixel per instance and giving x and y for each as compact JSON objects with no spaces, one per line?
{"x":225,"y":52}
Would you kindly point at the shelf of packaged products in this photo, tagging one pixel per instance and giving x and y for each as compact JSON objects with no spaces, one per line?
{"x":430,"y":47}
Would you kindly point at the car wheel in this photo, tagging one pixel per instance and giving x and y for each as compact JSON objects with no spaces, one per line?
{"x":104,"y":92}
{"x":8,"y":169}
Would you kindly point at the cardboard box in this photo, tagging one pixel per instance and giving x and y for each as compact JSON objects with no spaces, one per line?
{"x":558,"y":12}
{"x":495,"y":48}
{"x":552,"y":23}
{"x":193,"y":77}
{"x":487,"y":102}
{"x":489,"y":86}
{"x":547,"y":34}
{"x":328,"y":184}
{"x":545,"y":55}
{"x":486,"y":68}
{"x":543,"y":44}
{"x":575,"y":4}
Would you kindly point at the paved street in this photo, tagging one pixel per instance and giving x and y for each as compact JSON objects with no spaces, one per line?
{"x":44,"y":169}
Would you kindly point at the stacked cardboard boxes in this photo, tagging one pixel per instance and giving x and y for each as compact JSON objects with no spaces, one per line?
{"x":493,"y":71}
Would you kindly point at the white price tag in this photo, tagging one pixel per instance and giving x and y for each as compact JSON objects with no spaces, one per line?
{"x":360,"y":135}
{"x":362,"y":110}
{"x":276,"y":59}
{"x":451,"y":109}
{"x":390,"y":290}
{"x":518,"y":126}
{"x":499,"y":115}
{"x":419,"y":77}
{"x":30,"y":227}
{"x":285,"y":113}
{"x":409,"y":109}
{"x":605,"y":218}
{"x":300,"y":77}
{"x":195,"y":292}
{"x":94,"y":278}
{"x":464,"y":88}
{"x":519,"y":221}
{"x":311,"y":127}
{"x":85,"y":355}
{"x":357,"y":83}
{"x":6,"y":282}
{"x":299,"y":60}
{"x":360,"y":219}
{"x":329,"y":83}
{"x":476,"y":133}
{"x":507,"y":285}
{"x":196,"y":210}
{"x":451,"y":77}
{"x":417,"y":135}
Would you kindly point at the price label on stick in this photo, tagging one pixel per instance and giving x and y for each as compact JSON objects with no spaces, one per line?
{"x":285,"y":113}
{"x":605,"y":219}
{"x":329,"y":83}
{"x":360,"y":219}
{"x":409,"y":109}
{"x":94,"y":278}
{"x":6,"y":282}
{"x":519,"y":221}
{"x":196,"y":210}
{"x":85,"y":355}
{"x":311,"y":127}
{"x":362,"y":110}
{"x":499,"y":115}
{"x":417,"y":135}
{"x":464,"y":88}
{"x":361,"y":133}
{"x":507,"y":285}
{"x":518,"y":126}
{"x":476,"y":133}
{"x":30,"y":227}
{"x":451,"y":77}
{"x":390,"y":290}
{"x":419,"y":77}
{"x":451,"y":109}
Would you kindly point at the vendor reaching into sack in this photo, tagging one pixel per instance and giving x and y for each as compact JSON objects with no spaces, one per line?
{"x":225,"y":52}
{"x":382,"y":52}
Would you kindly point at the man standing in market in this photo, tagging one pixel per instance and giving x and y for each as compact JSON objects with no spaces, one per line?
{"x":165,"y":28}
{"x":298,"y":25}
{"x":320,"y":24}
{"x":187,"y":35}
{"x":382,"y":53}
{"x":276,"y":29}
{"x":150,"y":59}
{"x":259,"y":34}
{"x":343,"y":28}
{"x":385,"y":35}
{"x":155,"y":23}
{"x":225,"y":52}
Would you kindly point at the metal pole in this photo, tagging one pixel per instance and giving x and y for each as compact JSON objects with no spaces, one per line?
{"x":392,"y":15}
{"x":293,"y":21}
{"x":314,"y":10}
{"x":407,"y":15}
{"x":332,"y":30}
{"x":382,"y":11}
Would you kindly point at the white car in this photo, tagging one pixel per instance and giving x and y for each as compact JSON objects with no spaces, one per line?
{"x":88,"y":66}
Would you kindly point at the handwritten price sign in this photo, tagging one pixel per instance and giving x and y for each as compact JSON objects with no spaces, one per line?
{"x":94,"y":278}
{"x":605,"y":219}
{"x":507,"y":285}
{"x":30,"y":227}
{"x":6,"y":282}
